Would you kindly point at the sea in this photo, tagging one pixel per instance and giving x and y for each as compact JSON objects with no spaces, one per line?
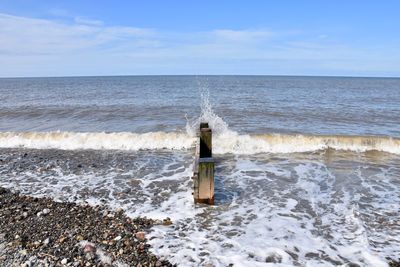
{"x":307,"y":168}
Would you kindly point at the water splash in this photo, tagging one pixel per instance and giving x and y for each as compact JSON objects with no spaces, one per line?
{"x":207,"y":114}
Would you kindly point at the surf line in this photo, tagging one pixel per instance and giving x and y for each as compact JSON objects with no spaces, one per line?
{"x":203,"y":168}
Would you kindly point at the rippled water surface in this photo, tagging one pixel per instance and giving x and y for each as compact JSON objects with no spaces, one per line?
{"x":249,"y":104}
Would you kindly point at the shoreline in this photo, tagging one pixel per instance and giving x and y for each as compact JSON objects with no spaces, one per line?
{"x":42,"y":232}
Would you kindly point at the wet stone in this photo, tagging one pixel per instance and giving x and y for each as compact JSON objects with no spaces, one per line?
{"x":274,"y":258}
{"x":66,"y":234}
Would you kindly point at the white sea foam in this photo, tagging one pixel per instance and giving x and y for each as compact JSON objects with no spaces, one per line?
{"x":91,"y":140}
{"x":271,"y":220}
{"x":291,"y":209}
{"x":224,"y":142}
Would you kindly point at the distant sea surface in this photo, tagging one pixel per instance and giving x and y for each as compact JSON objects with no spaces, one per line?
{"x":249,"y":104}
{"x":308,"y":168}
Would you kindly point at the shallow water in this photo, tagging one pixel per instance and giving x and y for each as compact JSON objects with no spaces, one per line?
{"x":307,"y":171}
{"x":318,"y":209}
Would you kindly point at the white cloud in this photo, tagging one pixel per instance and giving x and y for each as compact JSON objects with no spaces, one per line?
{"x":243,"y":35}
{"x":81,"y":46}
{"x":27,"y":36}
{"x":86,"y":21}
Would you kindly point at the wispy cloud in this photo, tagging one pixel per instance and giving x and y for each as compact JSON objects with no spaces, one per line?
{"x":86,"y":21}
{"x":243,"y":35}
{"x":27,"y":36}
{"x":84,"y":46}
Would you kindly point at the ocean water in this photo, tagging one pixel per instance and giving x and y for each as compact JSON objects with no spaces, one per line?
{"x":307,"y":172}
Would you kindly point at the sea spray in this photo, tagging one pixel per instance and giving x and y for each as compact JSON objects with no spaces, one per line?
{"x":207,"y":114}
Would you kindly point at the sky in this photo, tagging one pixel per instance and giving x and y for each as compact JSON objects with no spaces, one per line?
{"x":254,"y":37}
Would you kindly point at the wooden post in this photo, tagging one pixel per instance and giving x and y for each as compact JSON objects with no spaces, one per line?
{"x":205,"y":143}
{"x":203,"y":125}
{"x":203,"y":172}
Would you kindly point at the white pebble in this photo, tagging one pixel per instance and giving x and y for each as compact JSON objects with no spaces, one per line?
{"x":46,"y":211}
{"x":64,"y":261}
{"x":118,"y":238}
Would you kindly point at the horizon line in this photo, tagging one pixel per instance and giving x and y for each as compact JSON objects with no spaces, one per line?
{"x":149,"y":75}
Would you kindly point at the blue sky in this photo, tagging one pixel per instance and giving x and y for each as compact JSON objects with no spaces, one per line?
{"x":75,"y":38}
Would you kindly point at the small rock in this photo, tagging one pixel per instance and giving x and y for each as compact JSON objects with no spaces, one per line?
{"x":118,"y":238}
{"x":120,"y":210}
{"x":64,"y":261}
{"x":25,"y":214}
{"x":89,"y":256}
{"x":274,"y":258}
{"x":46,"y":241}
{"x":140,"y":236}
{"x":89,"y":248}
{"x":45,"y":211}
{"x":167,"y":221}
{"x":127,"y":243}
{"x":23,"y":252}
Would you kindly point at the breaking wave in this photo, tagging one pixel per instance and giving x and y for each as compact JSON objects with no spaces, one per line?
{"x":280,"y":143}
{"x":98,"y":141}
{"x":223,"y":143}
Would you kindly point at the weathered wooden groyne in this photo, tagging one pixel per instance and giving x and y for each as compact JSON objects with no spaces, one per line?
{"x":203,"y":170}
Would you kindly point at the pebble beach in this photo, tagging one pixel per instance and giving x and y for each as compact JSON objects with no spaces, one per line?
{"x":42,"y":232}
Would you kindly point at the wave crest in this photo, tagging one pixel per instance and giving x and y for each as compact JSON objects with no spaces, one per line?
{"x":231,"y":142}
{"x":226,"y":142}
{"x":91,"y":140}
